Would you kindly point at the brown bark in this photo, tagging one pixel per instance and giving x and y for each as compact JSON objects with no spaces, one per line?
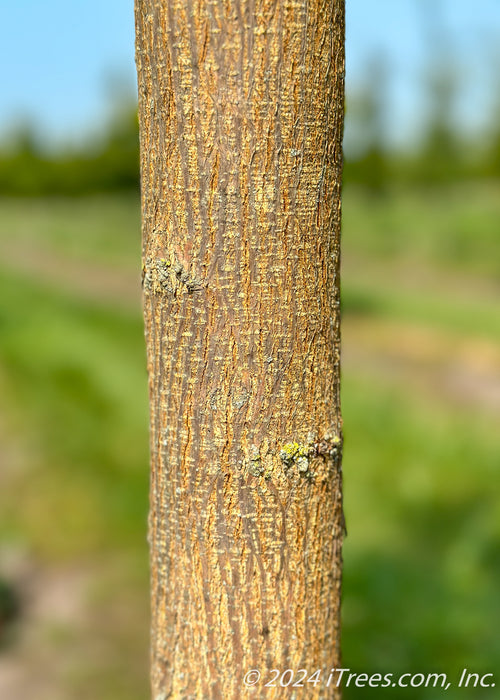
{"x":241,"y":111}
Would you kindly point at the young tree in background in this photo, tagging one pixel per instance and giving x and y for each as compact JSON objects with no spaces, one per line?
{"x":241,"y":113}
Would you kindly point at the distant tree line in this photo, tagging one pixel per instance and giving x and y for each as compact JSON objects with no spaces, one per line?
{"x":444,"y":150}
{"x":111,"y":163}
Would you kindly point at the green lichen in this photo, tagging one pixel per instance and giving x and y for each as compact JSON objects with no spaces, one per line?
{"x":298,"y":454}
{"x":301,"y":455}
{"x":296,"y":457}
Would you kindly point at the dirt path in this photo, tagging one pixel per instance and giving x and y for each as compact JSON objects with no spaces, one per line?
{"x":419,"y":277}
{"x":461,"y":370}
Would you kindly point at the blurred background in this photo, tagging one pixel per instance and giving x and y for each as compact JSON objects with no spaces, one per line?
{"x":421,"y":353}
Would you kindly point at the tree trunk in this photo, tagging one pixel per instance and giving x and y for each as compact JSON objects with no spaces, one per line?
{"x":241,"y":113}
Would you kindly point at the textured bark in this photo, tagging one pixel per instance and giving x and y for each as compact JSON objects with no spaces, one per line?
{"x":241,"y":111}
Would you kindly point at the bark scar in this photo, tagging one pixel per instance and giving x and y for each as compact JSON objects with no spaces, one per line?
{"x":168,"y":276}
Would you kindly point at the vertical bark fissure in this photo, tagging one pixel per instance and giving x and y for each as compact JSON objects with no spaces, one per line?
{"x":240,"y":107}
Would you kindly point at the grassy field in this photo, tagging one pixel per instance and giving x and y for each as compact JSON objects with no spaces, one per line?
{"x":421,"y":399}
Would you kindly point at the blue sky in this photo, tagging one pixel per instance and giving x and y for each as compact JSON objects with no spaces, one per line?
{"x":59,"y":57}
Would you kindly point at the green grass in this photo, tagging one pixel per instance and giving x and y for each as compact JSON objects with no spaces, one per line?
{"x":421,"y":471}
{"x":75,"y":383}
{"x":423,"y":515}
{"x":75,"y":474}
{"x":422,"y":569}
{"x":454,"y":227}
